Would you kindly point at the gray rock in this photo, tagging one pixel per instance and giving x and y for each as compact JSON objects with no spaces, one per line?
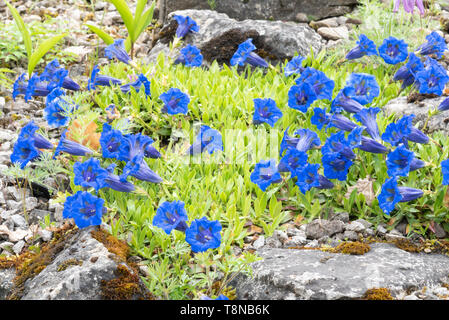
{"x":312,"y":244}
{"x":350,"y":235}
{"x":319,"y":228}
{"x":19,"y":221}
{"x":6,"y":245}
{"x":341,"y":216}
{"x":17,"y":248}
{"x":441,"y":291}
{"x":268,"y":9}
{"x":259,"y":243}
{"x":301,"y":17}
{"x":380,"y":230}
{"x":58,"y":209}
{"x":45,"y":235}
{"x":285,"y":38}
{"x":314,"y":274}
{"x":296,"y":241}
{"x":273,"y":242}
{"x":292,"y":231}
{"x":355,"y":226}
{"x":329,"y":23}
{"x":411,"y":297}
{"x":394,"y":235}
{"x":81,"y":281}
{"x":280,"y":235}
{"x":6,"y":282}
{"x":334,"y":33}
{"x":365,"y":223}
{"x":400,"y":107}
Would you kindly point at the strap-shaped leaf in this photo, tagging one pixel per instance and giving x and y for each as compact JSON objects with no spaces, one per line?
{"x":45,"y":46}
{"x":102,"y":34}
{"x":21,"y":25}
{"x":128,"y":44}
{"x":145,"y":20}
{"x":125,"y":13}
{"x":139,"y":10}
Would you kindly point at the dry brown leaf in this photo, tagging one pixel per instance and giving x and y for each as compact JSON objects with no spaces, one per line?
{"x":298,"y":219}
{"x":91,"y":137}
{"x":365,"y":187}
{"x":391,"y":221}
{"x":253,"y":230}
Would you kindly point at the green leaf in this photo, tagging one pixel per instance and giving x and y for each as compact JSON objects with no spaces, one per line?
{"x":102,"y":34}
{"x":46,"y":46}
{"x":143,"y":22}
{"x":21,"y":25}
{"x":139,"y":9}
{"x":125,"y":13}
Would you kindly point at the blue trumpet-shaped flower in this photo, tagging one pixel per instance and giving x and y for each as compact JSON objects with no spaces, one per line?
{"x":203,"y":234}
{"x":175,"y":101}
{"x":410,"y":194}
{"x":307,"y":177}
{"x":57,"y":109}
{"x":307,"y":139}
{"x":141,"y":81}
{"x":408,"y":72}
{"x":190,"y":56}
{"x":410,"y":132}
{"x":389,"y":195}
{"x":113,"y":181}
{"x":185,"y":25}
{"x":29,"y":132}
{"x":445,"y":171}
{"x":398,"y":161}
{"x":292,"y":160}
{"x":117,"y":50}
{"x":265,"y":173}
{"x":265,"y":110}
{"x":33,"y":88}
{"x":301,"y":96}
{"x":365,"y":87}
{"x":138,"y":168}
{"x":245,"y":54}
{"x":131,"y":145}
{"x":341,"y":122}
{"x":393,"y":50}
{"x":444,"y":105}
{"x":367,"y":117}
{"x":24,"y":151}
{"x":70,"y":147}
{"x":171,"y":215}
{"x":97,"y":79}
{"x":343,"y":102}
{"x":433,"y":78}
{"x":320,"y":118}
{"x":365,"y":47}
{"x":336,"y":166}
{"x":19,"y":86}
{"x":337,"y":143}
{"x":320,"y":83}
{"x":84,"y":208}
{"x":395,"y":134}
{"x":110,"y":141}
{"x":90,"y":174}
{"x":372,"y":146}
{"x":294,"y":66}
{"x":416,"y":164}
{"x":354,"y":139}
{"x":435,"y":45}
{"x":51,"y":74}
{"x":208,"y":139}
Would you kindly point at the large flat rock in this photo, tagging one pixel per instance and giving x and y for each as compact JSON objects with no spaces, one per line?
{"x":313,"y":274}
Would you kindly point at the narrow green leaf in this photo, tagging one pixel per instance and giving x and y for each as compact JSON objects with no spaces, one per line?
{"x":125,"y":13}
{"x":46,"y":46}
{"x":139,"y":9}
{"x":21,"y":25}
{"x":144,"y":21}
{"x":102,"y":34}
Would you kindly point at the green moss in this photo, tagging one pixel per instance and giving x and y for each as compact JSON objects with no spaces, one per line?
{"x":355,"y":248}
{"x":114,"y":245}
{"x":377,"y":294}
{"x":70,"y":262}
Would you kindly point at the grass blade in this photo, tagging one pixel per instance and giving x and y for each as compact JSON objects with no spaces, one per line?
{"x":21,"y":25}
{"x":126,"y":15}
{"x":102,"y":34}
{"x":46,"y":46}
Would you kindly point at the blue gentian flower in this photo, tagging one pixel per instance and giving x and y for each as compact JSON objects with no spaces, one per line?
{"x":410,"y":194}
{"x":398,"y":161}
{"x":337,"y":143}
{"x":171,"y":215}
{"x":245,"y":54}
{"x":90,"y":174}
{"x":336,"y":166}
{"x":190,"y":56}
{"x":365,"y":87}
{"x":416,"y":164}
{"x":444,"y":105}
{"x":84,"y":208}
{"x":138,"y":168}
{"x":372,"y":146}
{"x":395,"y":134}
{"x":343,"y":102}
{"x":433,"y":78}
{"x":70,"y":147}
{"x":367,"y":117}
{"x":410,"y":132}
{"x":288,"y":142}
{"x":301,"y":96}
{"x":51,"y":74}
{"x":175,"y":101}
{"x":354,"y":139}
{"x":203,"y":234}
{"x":294,"y":66}
{"x":185,"y":25}
{"x":110,"y":141}
{"x":292,"y":160}
{"x":29,"y":132}
{"x":207,"y":139}
{"x":389,"y":195}
{"x":20,"y":86}
{"x":24,"y":151}
{"x":408,"y":72}
{"x":151,"y":152}
{"x":265,"y":173}
{"x":265,"y":110}
{"x":341,"y":122}
{"x":435,"y":45}
{"x":365,"y":47}
{"x":393,"y":50}
{"x":57,"y":109}
{"x":113,"y":182}
{"x":130,"y":145}
{"x":141,"y":80}
{"x":97,"y":79}
{"x":445,"y":171}
{"x":117,"y":50}
{"x":325,"y":183}
{"x":307,"y":139}
{"x":36,"y":88}
{"x":307,"y":177}
{"x":320,"y":118}
{"x":320,"y":83}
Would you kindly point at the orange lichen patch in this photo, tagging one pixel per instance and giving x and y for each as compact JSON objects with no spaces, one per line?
{"x":118,"y":247}
{"x":126,"y":286}
{"x":70,"y":262}
{"x":406,"y":245}
{"x":84,"y":134}
{"x":377,"y":294}
{"x":350,"y":247}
